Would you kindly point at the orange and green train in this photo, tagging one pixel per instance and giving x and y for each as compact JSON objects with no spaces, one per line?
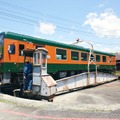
{"x":64,"y":59}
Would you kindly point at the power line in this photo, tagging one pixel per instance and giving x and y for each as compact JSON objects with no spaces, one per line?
{"x":63,"y":29}
{"x":36,"y":12}
{"x":44,"y":14}
{"x":17,"y":21}
{"x":106,"y":43}
{"x":18,"y":17}
{"x":33,"y":11}
{"x":34,"y":22}
{"x":19,"y":13}
{"x":28,"y":19}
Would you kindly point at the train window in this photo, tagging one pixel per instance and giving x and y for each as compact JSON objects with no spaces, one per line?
{"x":21,"y":47}
{"x":74,"y":55}
{"x":37,"y":58}
{"x":44,"y":57}
{"x":97,"y":58}
{"x":104,"y":58}
{"x":84,"y":56}
{"x":61,"y":54}
{"x":11,"y":49}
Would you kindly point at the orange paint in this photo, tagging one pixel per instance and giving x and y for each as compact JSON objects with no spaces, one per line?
{"x":51,"y":52}
{"x":15,"y":57}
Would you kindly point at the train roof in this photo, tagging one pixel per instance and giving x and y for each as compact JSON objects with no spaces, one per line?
{"x":16,"y":36}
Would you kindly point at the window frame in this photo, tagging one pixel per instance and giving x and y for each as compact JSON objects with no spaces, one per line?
{"x":11,"y":49}
{"x":61,"y":50}
{"x":78,"y":57}
{"x":20,"y":50}
{"x":96,"y":58}
{"x":86,"y":54}
{"x":103,"y":58}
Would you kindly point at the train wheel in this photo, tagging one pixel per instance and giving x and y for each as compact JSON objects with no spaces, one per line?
{"x":16,"y":92}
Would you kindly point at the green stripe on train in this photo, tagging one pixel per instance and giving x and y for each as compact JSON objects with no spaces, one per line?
{"x":11,"y":67}
{"x":52,"y":68}
{"x":59,"y":67}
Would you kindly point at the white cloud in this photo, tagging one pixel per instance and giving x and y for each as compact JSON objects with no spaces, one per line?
{"x":47,"y":28}
{"x":105,"y":24}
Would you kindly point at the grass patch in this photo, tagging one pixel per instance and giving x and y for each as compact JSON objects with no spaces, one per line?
{"x":117,"y":73}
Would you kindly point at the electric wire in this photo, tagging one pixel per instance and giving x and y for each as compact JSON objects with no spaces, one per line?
{"x":33,"y":11}
{"x":26,"y":19}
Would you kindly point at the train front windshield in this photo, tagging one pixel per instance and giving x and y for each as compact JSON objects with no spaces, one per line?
{"x":1,"y":44}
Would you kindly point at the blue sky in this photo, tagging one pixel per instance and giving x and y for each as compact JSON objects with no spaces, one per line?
{"x":96,"y":21}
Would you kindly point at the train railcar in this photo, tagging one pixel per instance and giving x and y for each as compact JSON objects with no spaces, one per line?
{"x":63,"y":59}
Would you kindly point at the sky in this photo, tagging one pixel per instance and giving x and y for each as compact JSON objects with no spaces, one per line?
{"x":94,"y":21}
